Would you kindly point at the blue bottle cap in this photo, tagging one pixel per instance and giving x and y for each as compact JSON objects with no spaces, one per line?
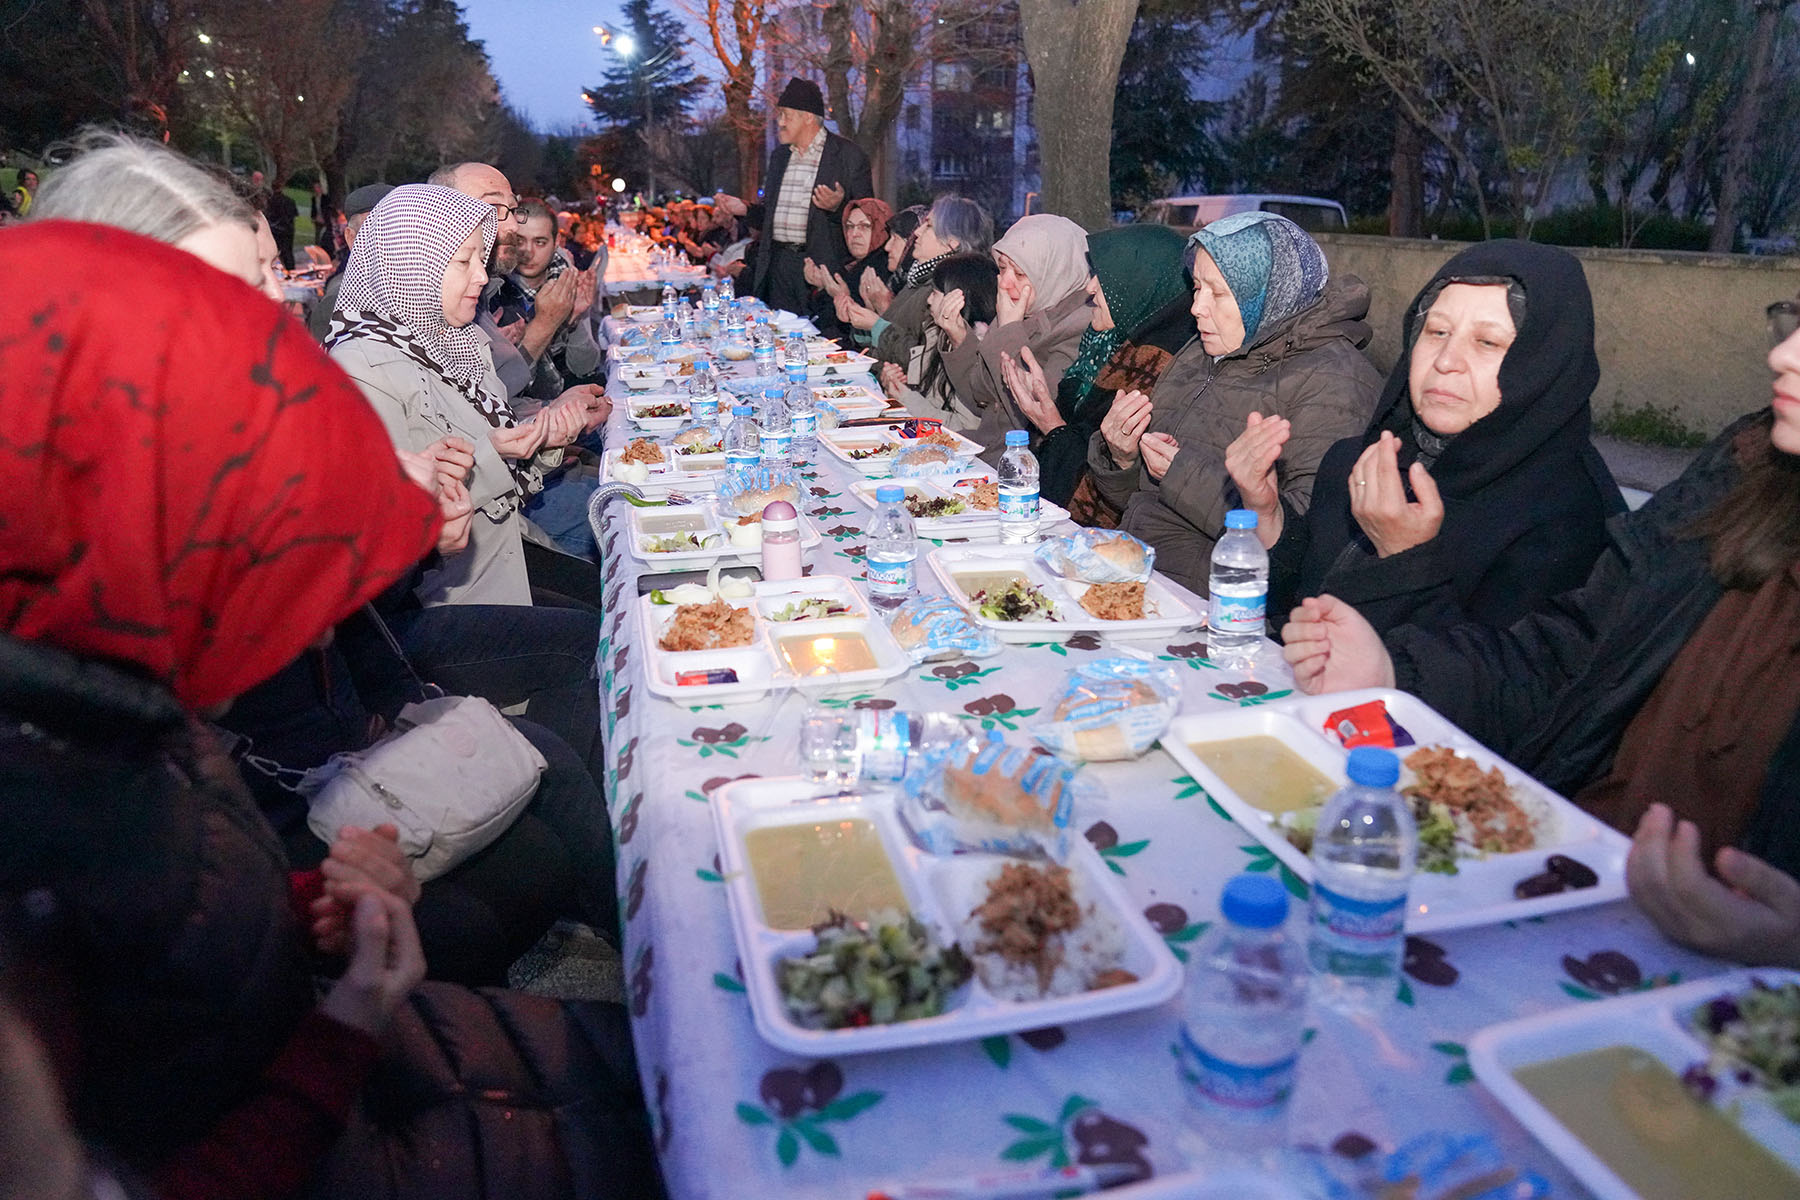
{"x":1372,"y":766}
{"x":1254,"y":901}
{"x":1017,"y":437}
{"x":773,"y":393}
{"x":1240,"y":518}
{"x":702,"y":364}
{"x":889,"y":493}
{"x":742,"y":410}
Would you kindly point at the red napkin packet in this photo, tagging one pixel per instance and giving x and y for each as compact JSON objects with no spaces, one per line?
{"x":1367,"y":725}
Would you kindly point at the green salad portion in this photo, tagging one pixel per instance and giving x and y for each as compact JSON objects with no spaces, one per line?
{"x":877,"y":973}
{"x":1017,"y":601}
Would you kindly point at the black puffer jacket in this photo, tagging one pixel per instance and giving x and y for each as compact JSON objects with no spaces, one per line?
{"x":1555,"y":690}
{"x":173,"y":887}
{"x":188,"y":974}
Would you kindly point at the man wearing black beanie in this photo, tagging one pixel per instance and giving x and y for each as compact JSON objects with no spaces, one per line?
{"x":811,"y":176}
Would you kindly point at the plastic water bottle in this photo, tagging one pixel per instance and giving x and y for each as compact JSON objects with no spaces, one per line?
{"x":893,"y":549}
{"x":777,"y":430}
{"x":762,"y":351}
{"x":1240,"y":593}
{"x":846,"y":746}
{"x":734,"y":322}
{"x":690,"y":325}
{"x":1365,"y":847}
{"x":743,"y":441}
{"x":668,"y":302}
{"x":1018,"y":490}
{"x":803,"y":417}
{"x":668,"y":343}
{"x":709,"y":298}
{"x":727,"y":291}
{"x":703,"y":394}
{"x":794,"y":357}
{"x":1243,"y":1010}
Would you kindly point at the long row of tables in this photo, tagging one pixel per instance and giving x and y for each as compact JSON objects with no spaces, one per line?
{"x":1382,"y":1095}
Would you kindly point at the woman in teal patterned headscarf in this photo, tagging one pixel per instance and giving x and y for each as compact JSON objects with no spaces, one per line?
{"x":1140,"y":297}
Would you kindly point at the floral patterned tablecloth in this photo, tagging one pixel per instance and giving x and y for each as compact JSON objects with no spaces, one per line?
{"x":736,"y":1118}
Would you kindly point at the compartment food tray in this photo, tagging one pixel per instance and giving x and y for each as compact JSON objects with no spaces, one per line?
{"x":1481,"y":892}
{"x":930,"y":883}
{"x":1173,"y":611}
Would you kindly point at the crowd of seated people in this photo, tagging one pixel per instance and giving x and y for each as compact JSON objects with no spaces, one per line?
{"x":1450,"y":531}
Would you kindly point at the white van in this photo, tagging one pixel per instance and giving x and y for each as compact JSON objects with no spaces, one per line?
{"x":1188,"y":213}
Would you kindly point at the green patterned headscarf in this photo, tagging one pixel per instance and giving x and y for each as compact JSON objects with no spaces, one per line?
{"x":1140,"y":272}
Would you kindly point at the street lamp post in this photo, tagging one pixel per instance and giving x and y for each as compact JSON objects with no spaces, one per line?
{"x":626,"y":47}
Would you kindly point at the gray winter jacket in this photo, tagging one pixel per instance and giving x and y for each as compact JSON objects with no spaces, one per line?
{"x":1309,"y":369}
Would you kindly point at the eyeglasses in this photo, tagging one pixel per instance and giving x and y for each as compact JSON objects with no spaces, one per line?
{"x":1784,"y":320}
{"x":507,"y":212}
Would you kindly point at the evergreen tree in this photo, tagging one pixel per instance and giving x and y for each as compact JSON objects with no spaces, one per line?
{"x":656,"y":77}
{"x":1160,"y":138}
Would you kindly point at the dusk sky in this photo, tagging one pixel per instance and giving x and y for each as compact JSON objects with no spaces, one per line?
{"x":544,"y":52}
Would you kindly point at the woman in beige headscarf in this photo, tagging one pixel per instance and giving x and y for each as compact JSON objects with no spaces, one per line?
{"x":1043,"y":307}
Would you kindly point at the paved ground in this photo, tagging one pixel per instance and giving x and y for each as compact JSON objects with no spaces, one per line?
{"x":1646,"y":468}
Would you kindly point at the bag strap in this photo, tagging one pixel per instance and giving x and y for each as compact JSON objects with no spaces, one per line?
{"x":426,"y":691}
{"x":239,"y":749}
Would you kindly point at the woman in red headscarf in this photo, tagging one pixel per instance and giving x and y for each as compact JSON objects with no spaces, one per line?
{"x":193,"y":494}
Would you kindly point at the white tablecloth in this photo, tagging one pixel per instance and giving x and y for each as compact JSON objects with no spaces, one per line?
{"x":736,"y":1118}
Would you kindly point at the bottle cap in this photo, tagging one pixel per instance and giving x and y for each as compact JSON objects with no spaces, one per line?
{"x":1017,"y":437}
{"x":1240,"y":518}
{"x":779,"y":510}
{"x":773,"y":393}
{"x":1372,"y":766}
{"x":742,"y":410}
{"x":889,"y":493}
{"x":1254,"y":901}
{"x":702,"y":364}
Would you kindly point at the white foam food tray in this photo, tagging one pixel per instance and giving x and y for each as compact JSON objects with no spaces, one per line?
{"x":642,"y":377}
{"x":704,"y":520}
{"x":940,"y":891}
{"x":838,"y":364}
{"x":1167,"y":610}
{"x":690,"y":474}
{"x":972,"y":522}
{"x":1654,"y":1022}
{"x":638,"y":404}
{"x":761,"y":666}
{"x":1481,"y":892}
{"x":844,"y":441}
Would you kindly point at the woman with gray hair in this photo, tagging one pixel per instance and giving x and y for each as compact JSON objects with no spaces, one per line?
{"x":955,"y":225}
{"x":148,"y":189}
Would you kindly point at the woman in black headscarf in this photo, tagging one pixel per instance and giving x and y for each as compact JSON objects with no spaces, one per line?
{"x":1475,"y":493}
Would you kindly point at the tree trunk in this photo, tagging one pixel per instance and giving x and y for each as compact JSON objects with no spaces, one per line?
{"x":1743,"y":126}
{"x":1406,"y":197}
{"x":1075,"y":51}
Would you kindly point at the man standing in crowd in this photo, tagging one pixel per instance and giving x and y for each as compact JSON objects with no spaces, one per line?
{"x":811,"y":175}
{"x":357,"y":206}
{"x":281,"y":211}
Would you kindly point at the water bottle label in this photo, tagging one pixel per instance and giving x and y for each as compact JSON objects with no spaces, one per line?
{"x":890,"y":577}
{"x":777,"y":445}
{"x":704,"y":408}
{"x":796,"y":371}
{"x":1018,"y":504}
{"x":1361,"y":926}
{"x":1246,"y":1089}
{"x":1237,"y":614}
{"x":742,"y":458}
{"x":805,"y":424}
{"x":885,"y":747}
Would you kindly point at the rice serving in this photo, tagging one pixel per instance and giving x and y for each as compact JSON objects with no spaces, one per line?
{"x":1038,"y":933}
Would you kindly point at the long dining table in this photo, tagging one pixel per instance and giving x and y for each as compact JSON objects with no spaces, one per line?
{"x":1381,"y":1097}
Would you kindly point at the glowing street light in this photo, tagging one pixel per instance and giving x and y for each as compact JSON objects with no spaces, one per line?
{"x":618,"y":185}
{"x":205,"y":40}
{"x":626,"y":45}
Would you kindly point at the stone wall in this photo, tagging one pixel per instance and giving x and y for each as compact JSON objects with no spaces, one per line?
{"x":1677,"y":330}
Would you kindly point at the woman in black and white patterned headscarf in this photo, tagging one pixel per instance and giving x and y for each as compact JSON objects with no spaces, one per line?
{"x":404,"y":331}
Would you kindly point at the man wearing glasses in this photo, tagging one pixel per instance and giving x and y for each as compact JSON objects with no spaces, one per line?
{"x":518,"y":342}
